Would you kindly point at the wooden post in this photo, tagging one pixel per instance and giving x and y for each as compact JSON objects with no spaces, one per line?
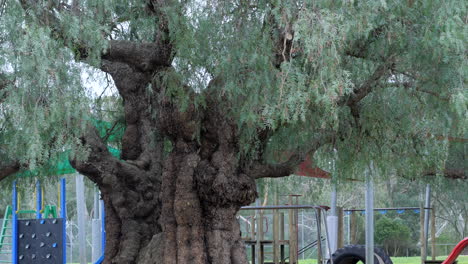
{"x":422,"y":237}
{"x":253,"y":253}
{"x":276,"y":232}
{"x":282,"y":237}
{"x":340,"y":227}
{"x":433,"y":234}
{"x":319,"y":237}
{"x":252,"y":227}
{"x":296,"y":229}
{"x":292,"y":233}
{"x":260,"y":238}
{"x":353,"y":228}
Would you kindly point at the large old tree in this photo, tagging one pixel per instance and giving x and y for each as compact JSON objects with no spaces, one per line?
{"x":211,"y":90}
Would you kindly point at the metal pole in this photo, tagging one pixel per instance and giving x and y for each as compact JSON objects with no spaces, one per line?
{"x":369,"y":216}
{"x":63,"y":215}
{"x":80,"y":206}
{"x":38,"y":200}
{"x":421,"y":223}
{"x":433,"y":234}
{"x":96,"y":229}
{"x":103,"y":226}
{"x":349,"y":229}
{"x":257,"y":235}
{"x":426,"y":218}
{"x":14,"y":236}
{"x":332,"y":221}
{"x":302,"y":232}
{"x":318,"y":217}
{"x":333,"y":200}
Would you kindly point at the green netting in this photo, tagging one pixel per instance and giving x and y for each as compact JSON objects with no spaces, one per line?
{"x":61,"y":165}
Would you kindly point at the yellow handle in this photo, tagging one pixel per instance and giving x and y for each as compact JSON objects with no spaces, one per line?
{"x":19,"y":203}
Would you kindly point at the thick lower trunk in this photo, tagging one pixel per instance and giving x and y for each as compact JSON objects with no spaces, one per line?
{"x":200,"y":200}
{"x":180,"y":209}
{"x":131,"y":224}
{"x":194,"y":221}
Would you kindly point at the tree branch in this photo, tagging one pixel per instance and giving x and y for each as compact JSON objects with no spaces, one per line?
{"x":265,"y":170}
{"x":100,"y":166}
{"x":410,"y":85}
{"x":367,"y":87}
{"x":4,"y":81}
{"x":360,"y":47}
{"x":143,"y":56}
{"x":8,"y":169}
{"x":449,"y":173}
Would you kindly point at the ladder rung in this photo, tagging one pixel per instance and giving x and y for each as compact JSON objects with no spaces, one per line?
{"x":3,"y":244}
{"x":5,"y":252}
{"x":5,"y":261}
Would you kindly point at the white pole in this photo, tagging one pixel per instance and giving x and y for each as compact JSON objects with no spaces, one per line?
{"x":80,"y":207}
{"x":332,"y":221}
{"x":369,"y":215}
{"x":96,"y":229}
{"x":426,"y":217}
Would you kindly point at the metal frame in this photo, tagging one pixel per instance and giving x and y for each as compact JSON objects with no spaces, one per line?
{"x":14,"y":235}
{"x":38,"y":212}
{"x":63,"y":215}
{"x":318,"y":209}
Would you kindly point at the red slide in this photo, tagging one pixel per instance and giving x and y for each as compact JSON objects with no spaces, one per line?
{"x":456,"y":251}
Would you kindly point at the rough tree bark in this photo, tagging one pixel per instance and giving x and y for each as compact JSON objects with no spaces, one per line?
{"x":204,"y":184}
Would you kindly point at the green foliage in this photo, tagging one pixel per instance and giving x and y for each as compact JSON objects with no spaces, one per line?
{"x":392,"y":234}
{"x":336,"y":48}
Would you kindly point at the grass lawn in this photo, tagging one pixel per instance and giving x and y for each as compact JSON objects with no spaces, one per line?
{"x":400,"y":260}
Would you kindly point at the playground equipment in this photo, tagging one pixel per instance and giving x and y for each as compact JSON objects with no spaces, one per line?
{"x":41,"y":236}
{"x":34,"y":240}
{"x":256,"y":236}
{"x":456,"y":251}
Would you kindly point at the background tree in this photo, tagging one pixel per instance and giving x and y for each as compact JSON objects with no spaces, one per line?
{"x":392,"y":234}
{"x":210,"y":89}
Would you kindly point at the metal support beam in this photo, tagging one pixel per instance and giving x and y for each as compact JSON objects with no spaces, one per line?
{"x":369,"y":216}
{"x":38,"y":200}
{"x":427,"y":211}
{"x":332,"y":221}
{"x":63,"y":215}
{"x":81,"y":211}
{"x":14,"y":235}
{"x":96,"y":229}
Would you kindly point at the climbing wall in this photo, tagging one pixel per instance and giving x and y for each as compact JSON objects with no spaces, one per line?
{"x":40,"y":241}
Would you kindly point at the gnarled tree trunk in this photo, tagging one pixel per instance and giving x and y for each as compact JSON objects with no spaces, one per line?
{"x":173,"y":208}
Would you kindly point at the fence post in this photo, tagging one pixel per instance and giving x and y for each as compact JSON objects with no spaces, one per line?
{"x":340,"y":227}
{"x":433,"y":234}
{"x":422,"y":239}
{"x":318,"y":213}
